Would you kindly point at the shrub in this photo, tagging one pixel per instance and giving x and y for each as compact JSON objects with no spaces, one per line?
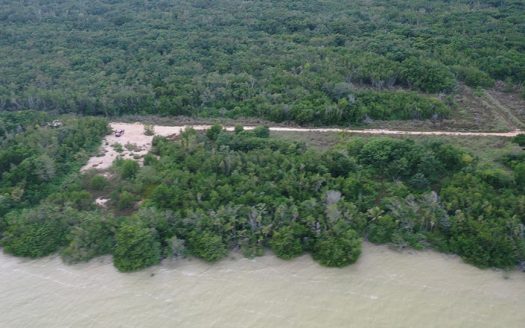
{"x":519,"y":139}
{"x":485,"y":243}
{"x":118,"y":147}
{"x":207,"y":245}
{"x":98,"y":183}
{"x":261,"y":132}
{"x":150,"y":159}
{"x":36,"y":232}
{"x":125,"y":200}
{"x":127,"y":168}
{"x":92,"y":237}
{"x":473,"y":77}
{"x":428,"y":76}
{"x":149,"y":130}
{"x":238,"y":129}
{"x":213,"y":132}
{"x":136,"y":246}
{"x":175,"y":248}
{"x":380,"y":231}
{"x":337,"y":249}
{"x":286,"y":242}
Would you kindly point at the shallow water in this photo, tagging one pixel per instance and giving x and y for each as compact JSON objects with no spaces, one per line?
{"x":384,"y":289}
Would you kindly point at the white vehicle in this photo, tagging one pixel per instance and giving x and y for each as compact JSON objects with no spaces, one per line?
{"x":55,"y":124}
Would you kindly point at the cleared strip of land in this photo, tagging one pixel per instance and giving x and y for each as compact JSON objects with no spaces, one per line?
{"x":135,"y":144}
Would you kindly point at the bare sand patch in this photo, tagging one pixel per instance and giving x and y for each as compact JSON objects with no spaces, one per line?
{"x":134,"y":135}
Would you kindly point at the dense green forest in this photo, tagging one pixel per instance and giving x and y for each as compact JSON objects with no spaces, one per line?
{"x":210,"y":192}
{"x":312,"y":62}
{"x":206,"y":193}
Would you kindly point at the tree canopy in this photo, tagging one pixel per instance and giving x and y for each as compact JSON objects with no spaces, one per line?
{"x":313,"y":62}
{"x":208,"y":193}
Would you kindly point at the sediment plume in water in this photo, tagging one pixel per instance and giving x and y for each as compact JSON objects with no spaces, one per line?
{"x":383,"y":289}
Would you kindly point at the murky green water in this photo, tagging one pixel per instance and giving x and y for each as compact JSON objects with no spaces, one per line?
{"x":384,"y":289}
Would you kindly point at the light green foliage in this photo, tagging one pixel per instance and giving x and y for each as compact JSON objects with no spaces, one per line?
{"x":118,"y":147}
{"x":149,"y":130}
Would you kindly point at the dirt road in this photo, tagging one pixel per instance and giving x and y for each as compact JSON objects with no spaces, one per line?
{"x":135,"y":144}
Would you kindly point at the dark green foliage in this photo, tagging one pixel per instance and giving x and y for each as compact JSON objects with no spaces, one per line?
{"x":213,"y":132}
{"x":136,"y":247}
{"x":487,"y":243}
{"x":37,"y":158}
{"x":204,"y":196}
{"x":339,"y":164}
{"x":380,"y":188}
{"x":287,"y":242}
{"x":238,"y":129}
{"x":520,"y":140}
{"x":92,"y":237}
{"x":282,"y":60}
{"x":78,"y":199}
{"x":261,"y":132}
{"x":124,"y":200}
{"x":380,"y":229}
{"x":473,"y":77}
{"x":427,"y":75}
{"x":149,"y":159}
{"x":98,"y":182}
{"x":519,"y":175}
{"x":127,"y":168}
{"x":207,"y":245}
{"x":487,"y":222}
{"x":37,"y":232}
{"x":338,"y":247}
{"x":12,"y":123}
{"x":404,"y":159}
{"x":39,"y":163}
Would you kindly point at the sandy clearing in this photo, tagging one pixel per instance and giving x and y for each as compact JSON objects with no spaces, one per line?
{"x":134,"y":134}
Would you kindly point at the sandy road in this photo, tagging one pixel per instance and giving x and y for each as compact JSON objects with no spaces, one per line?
{"x":169,"y":130}
{"x":398,"y":132}
{"x":139,"y":144}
